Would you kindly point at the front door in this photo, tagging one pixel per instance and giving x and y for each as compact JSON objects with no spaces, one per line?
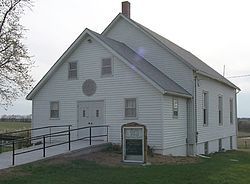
{"x":90,"y":113}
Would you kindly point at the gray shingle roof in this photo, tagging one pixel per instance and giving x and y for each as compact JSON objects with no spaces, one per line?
{"x":143,"y":65}
{"x":190,"y":59}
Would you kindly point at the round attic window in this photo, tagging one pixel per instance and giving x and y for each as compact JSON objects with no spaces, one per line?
{"x":89,"y":87}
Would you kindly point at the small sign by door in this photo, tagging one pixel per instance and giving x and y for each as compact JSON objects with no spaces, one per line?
{"x":134,"y":142}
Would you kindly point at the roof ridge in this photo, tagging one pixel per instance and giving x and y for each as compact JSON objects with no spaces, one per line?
{"x":188,"y":57}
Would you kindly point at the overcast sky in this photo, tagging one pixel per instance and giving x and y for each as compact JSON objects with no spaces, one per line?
{"x":216,"y":31}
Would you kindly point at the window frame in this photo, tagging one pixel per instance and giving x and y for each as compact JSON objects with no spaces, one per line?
{"x":205,"y":109}
{"x":175,"y":109}
{"x":111,"y":65}
{"x":54,"y":118}
{"x":136,"y":108}
{"x":220,"y":110}
{"x":70,"y":70}
{"x":231,"y":111}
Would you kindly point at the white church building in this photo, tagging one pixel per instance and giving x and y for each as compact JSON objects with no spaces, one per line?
{"x":129,"y":73}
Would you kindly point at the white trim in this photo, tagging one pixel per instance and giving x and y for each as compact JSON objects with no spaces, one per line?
{"x":59,"y":114}
{"x":77,"y":109}
{"x":76,"y":70}
{"x":112,"y":67}
{"x":211,"y":77}
{"x":136,"y":106}
{"x":222,"y":109}
{"x":177,"y":94}
{"x":207,"y":108}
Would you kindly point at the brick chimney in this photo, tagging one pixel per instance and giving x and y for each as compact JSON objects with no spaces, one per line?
{"x":126,"y":8}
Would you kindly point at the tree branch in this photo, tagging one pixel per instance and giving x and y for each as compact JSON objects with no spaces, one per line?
{"x":7,"y":12}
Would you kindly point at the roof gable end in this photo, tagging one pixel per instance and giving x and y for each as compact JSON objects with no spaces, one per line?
{"x":113,"y":46}
{"x":183,"y":55}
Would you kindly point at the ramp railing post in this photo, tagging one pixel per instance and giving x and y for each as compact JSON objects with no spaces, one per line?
{"x":69,"y":137}
{"x":1,"y":143}
{"x":50,"y":135}
{"x":43,"y":146}
{"x":13,"y":153}
{"x":107,"y":134}
{"x":90,"y":135}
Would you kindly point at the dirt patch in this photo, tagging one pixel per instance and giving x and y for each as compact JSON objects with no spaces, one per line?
{"x":11,"y":172}
{"x":115,"y":159}
{"x":111,"y":158}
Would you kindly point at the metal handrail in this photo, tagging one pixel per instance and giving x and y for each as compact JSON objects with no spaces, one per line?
{"x":55,"y":134}
{"x":31,"y":129}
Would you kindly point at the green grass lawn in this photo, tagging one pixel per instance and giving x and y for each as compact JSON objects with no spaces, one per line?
{"x":223,"y":168}
{"x":13,"y":126}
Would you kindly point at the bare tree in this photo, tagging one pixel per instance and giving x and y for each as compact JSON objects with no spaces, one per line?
{"x":15,"y":62}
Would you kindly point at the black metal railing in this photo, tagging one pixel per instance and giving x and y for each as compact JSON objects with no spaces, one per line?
{"x":42,"y":139}
{"x":9,"y":137}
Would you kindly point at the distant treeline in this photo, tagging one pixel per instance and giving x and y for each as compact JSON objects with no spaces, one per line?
{"x":16,"y":118}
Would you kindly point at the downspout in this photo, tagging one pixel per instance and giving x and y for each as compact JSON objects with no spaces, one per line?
{"x":195,"y":114}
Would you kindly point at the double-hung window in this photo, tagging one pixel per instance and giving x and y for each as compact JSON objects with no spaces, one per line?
{"x":106,"y":67}
{"x":205,"y":108}
{"x":231,"y":110}
{"x":130,"y":108}
{"x":72,"y":70}
{"x":54,"y":110}
{"x":220,"y":110}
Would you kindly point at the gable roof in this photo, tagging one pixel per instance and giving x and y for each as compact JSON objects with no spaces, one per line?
{"x":123,"y":52}
{"x":185,"y":56}
{"x":138,"y":62}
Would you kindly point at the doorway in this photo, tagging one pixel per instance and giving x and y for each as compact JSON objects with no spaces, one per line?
{"x":90,"y":113}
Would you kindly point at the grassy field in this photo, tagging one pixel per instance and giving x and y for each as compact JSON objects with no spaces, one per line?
{"x":12,"y":126}
{"x":243,"y":140}
{"x":222,"y":168}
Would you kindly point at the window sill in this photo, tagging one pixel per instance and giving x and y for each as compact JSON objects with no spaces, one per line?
{"x":54,"y":118}
{"x":71,"y":79}
{"x":107,"y":75}
{"x":131,"y":118}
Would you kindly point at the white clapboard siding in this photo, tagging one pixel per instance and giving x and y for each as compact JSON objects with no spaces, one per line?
{"x":213,"y":145}
{"x":174,"y":129}
{"x":214,"y":131}
{"x":124,"y":83}
{"x":123,"y":31}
